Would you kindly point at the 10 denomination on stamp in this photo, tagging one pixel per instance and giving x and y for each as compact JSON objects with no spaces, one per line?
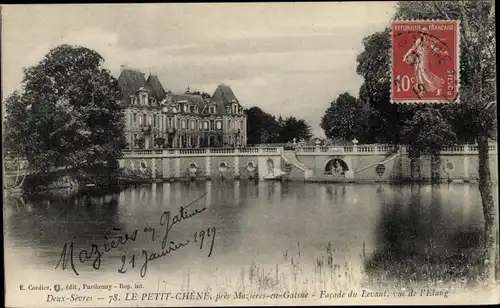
{"x":425,"y":61}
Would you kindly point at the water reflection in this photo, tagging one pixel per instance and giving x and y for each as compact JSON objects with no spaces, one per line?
{"x":420,"y":238}
{"x":385,"y":230}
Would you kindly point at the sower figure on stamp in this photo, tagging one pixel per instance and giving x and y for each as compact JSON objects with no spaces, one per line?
{"x":418,"y":56}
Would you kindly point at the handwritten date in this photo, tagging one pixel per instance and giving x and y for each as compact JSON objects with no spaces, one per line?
{"x":166,"y":247}
{"x":199,"y":237}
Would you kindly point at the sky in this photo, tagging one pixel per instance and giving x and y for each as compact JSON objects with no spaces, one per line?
{"x":286,"y":58}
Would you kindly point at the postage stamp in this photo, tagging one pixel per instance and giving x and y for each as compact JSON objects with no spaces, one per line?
{"x":425,"y":61}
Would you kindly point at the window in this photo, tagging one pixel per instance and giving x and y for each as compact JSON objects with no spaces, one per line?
{"x":134,"y":118}
{"x":170,"y":122}
{"x":183,"y":124}
{"x":200,"y":127}
{"x":229,"y":124}
{"x":135,"y":142}
{"x":185,"y":108}
{"x":140,"y":119}
{"x":205,"y":125}
{"x":212,"y":109}
{"x":191,"y":109}
{"x":154,"y":120}
{"x":235,"y":108}
{"x":150,"y":120}
{"x":132,"y":99}
{"x":178,"y":123}
{"x":144,"y":119}
{"x":219,"y":125}
{"x":241,"y":125}
{"x":193,"y":125}
{"x":143,"y":99}
{"x":212,"y":124}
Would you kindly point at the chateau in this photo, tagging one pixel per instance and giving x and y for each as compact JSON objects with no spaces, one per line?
{"x":156,"y":118}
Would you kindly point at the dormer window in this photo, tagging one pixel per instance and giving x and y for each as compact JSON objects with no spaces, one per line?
{"x":191,"y":109}
{"x":143,"y":99}
{"x":235,"y":108}
{"x":132,"y":99}
{"x":212,"y":109}
{"x":174,"y":109}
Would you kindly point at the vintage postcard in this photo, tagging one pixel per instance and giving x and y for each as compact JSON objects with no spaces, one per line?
{"x":250,"y":154}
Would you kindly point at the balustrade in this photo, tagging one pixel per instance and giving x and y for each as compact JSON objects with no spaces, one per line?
{"x":351,"y":149}
{"x":270,"y":150}
{"x":249,"y":150}
{"x":192,"y":151}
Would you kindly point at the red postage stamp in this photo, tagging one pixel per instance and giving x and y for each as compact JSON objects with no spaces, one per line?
{"x":425,"y":61}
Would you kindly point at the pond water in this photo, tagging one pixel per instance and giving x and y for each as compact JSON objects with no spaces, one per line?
{"x":250,"y":235}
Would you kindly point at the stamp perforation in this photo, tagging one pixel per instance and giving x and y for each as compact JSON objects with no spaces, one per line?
{"x":456,"y":99}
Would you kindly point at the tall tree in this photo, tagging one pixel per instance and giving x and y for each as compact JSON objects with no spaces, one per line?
{"x":478,"y":79}
{"x":17,"y":110}
{"x":262,"y":127}
{"x":373,"y":62}
{"x":68,"y":114}
{"x":293,"y":127}
{"x":347,"y":118}
{"x":427,"y":133}
{"x":474,"y":117}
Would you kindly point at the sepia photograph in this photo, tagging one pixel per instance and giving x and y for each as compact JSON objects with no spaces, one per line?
{"x":250,"y":154}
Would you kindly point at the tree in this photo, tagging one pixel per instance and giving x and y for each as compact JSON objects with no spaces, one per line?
{"x":478,"y":78}
{"x":427,"y":133}
{"x":294,"y":128}
{"x":17,"y":110}
{"x":261,"y":126}
{"x":68,"y":114}
{"x":473,"y":118}
{"x":347,"y":118}
{"x":373,"y":62}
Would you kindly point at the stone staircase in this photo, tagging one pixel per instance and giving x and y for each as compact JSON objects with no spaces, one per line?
{"x":290,"y":158}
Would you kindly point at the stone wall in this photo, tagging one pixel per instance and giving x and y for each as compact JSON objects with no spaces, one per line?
{"x":363,"y":167}
{"x":228,"y":166}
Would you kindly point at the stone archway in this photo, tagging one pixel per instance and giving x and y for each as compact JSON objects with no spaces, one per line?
{"x":336,"y":166}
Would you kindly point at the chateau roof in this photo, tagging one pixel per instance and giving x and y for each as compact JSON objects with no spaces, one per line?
{"x":222,"y":97}
{"x":130,"y":81}
{"x":155,"y":88}
{"x":195,"y":99}
{"x":223,"y":94}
